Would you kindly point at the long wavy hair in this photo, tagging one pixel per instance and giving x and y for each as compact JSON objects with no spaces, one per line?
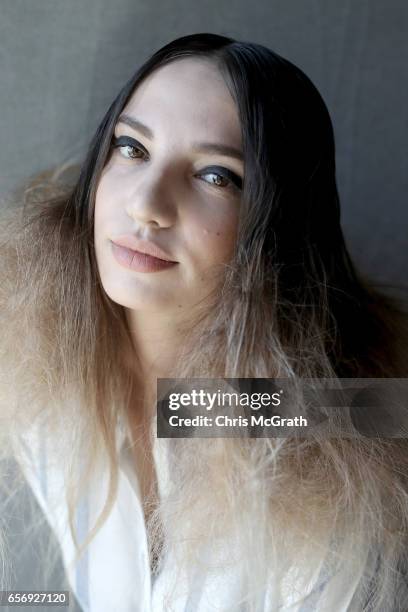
{"x":291,"y":305}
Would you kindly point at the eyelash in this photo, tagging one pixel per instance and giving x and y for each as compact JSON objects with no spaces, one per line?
{"x":234,"y":181}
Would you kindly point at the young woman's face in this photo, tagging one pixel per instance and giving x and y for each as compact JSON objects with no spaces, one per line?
{"x":173,"y":180}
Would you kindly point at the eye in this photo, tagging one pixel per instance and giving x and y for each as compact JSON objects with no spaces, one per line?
{"x":221,"y":177}
{"x":129,"y":147}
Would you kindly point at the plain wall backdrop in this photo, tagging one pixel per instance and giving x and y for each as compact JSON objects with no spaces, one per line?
{"x":63,"y":62}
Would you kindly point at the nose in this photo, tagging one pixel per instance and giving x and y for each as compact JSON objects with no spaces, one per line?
{"x":151,"y":201}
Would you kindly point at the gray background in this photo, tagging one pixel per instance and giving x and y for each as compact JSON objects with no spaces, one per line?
{"x":63,"y":61}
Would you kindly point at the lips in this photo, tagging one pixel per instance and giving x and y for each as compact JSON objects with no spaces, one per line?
{"x":139,"y":262}
{"x":141,"y":245}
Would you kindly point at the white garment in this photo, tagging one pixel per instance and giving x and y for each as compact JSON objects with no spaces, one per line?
{"x":114,"y":573}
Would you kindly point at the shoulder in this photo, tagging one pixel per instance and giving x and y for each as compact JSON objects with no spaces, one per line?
{"x":41,"y":465}
{"x":46,"y":469}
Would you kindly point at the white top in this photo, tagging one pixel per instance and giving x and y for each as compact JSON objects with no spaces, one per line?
{"x":114,"y":575}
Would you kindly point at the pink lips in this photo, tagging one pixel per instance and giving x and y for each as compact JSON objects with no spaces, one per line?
{"x":135,"y":260}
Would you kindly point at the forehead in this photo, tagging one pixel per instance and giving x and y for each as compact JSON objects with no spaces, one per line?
{"x":188,"y":94}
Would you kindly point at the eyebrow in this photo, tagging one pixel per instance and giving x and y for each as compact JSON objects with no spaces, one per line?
{"x":206,"y":147}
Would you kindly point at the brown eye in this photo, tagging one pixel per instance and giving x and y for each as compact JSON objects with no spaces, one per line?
{"x":217,"y":179}
{"x":221,"y":177}
{"x":130,"y":152}
{"x":129,"y":148}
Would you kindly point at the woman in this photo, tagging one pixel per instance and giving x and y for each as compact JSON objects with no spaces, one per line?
{"x":217,"y":158}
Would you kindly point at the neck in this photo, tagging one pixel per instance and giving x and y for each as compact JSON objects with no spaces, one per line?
{"x":156,"y":341}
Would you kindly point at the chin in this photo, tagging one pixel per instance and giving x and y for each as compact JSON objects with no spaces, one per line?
{"x":136,"y":298}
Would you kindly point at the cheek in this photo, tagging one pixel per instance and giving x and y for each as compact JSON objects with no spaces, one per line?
{"x":103,"y":214}
{"x":213,"y":240}
{"x":106,"y":207}
{"x":103,"y":197}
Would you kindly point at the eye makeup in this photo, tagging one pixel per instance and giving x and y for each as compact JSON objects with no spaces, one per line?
{"x":119,"y":142}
